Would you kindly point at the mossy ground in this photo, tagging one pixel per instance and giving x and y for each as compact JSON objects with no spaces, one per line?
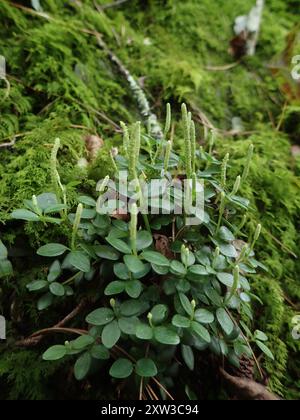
{"x":64,"y":85}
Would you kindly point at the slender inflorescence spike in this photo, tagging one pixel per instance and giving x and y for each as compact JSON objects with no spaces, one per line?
{"x":236,"y":186}
{"x":35,"y":205}
{"x":187,"y":141}
{"x":76,"y":224}
{"x":193,"y":145}
{"x":133,"y":227}
{"x":221,"y":210}
{"x":59,"y":188}
{"x":116,"y":169}
{"x":248,"y":163}
{"x":168,"y":120}
{"x":224,"y":170}
{"x":236,"y":280}
{"x":101,"y":187}
{"x":167,"y":156}
{"x":125,"y":137}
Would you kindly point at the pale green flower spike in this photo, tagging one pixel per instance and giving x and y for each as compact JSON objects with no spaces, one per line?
{"x":133,"y":227}
{"x":76,"y":224}
{"x":167,"y":156}
{"x":187,"y":141}
{"x":168,"y":120}
{"x":236,"y":281}
{"x":221,"y":210}
{"x":113,"y":162}
{"x":35,"y":205}
{"x":244,"y":252}
{"x":236,"y":186}
{"x":112,"y":303}
{"x":255,"y":238}
{"x":104,"y":184}
{"x":137,"y":141}
{"x":59,"y":188}
{"x":224,"y":170}
{"x":248,"y":162}
{"x":193,"y":145}
{"x":150,"y":316}
{"x":125,"y":137}
{"x":216,"y":255}
{"x":242,"y":224}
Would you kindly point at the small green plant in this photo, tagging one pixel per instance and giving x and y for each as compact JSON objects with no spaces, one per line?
{"x":154,"y":305}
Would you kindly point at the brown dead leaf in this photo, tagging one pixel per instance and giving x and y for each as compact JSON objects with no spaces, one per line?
{"x":162,"y":245}
{"x":93,"y":145}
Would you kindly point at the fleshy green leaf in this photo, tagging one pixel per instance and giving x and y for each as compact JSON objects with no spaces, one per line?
{"x":159,"y":314}
{"x":101,"y":316}
{"x":265,"y":349}
{"x":82,"y":366}
{"x":186,"y":304}
{"x":133,"y":263}
{"x":121,"y":369}
{"x":226,"y":235}
{"x":37,"y":285}
{"x":54,"y":271}
{"x":82,"y":342}
{"x":226,"y":279}
{"x":228,"y":250}
{"x":121,"y":271}
{"x":114,"y":288}
{"x":225,"y":321}
{"x":144,"y":240}
{"x":165,"y":335}
{"x":55,"y":353}
{"x":52,"y":250}
{"x":45,"y":301}
{"x":201,"y":331}
{"x":57,"y":289}
{"x":204,"y":316}
{"x":181,"y":321}
{"x":156,"y":258}
{"x":23,"y":214}
{"x":133,"y":288}
{"x":80,"y":261}
{"x":106,"y":252}
{"x":88,"y":201}
{"x":188,"y":356}
{"x":120,"y":245}
{"x":128,"y":325}
{"x":146,"y":368}
{"x":100,"y":352}
{"x":177,"y":268}
{"x":144,"y":332}
{"x":111,"y":334}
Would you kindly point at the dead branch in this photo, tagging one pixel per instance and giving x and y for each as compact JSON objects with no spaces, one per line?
{"x":37,"y":337}
{"x":247,"y":389}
